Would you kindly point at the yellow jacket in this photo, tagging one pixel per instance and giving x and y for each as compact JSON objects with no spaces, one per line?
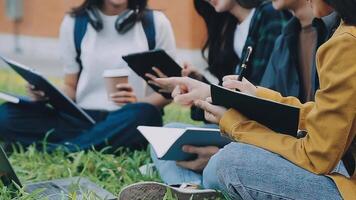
{"x":330,"y":121}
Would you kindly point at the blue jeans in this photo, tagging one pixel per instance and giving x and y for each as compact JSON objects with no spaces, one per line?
{"x":28,"y":124}
{"x":248,"y":172}
{"x":172,"y":174}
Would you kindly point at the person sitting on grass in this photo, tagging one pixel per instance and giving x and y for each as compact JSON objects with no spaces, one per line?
{"x":264,"y":164}
{"x":109,"y":35}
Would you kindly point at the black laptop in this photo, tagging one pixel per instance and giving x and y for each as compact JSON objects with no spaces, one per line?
{"x":55,"y":189}
{"x":56,"y":98}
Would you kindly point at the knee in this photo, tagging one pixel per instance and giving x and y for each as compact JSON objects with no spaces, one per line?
{"x":145,"y":113}
{"x":238,"y":162}
{"x":5,"y":117}
{"x":4,"y":114}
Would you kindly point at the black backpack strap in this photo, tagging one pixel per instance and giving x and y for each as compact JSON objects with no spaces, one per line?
{"x":149,"y":28}
{"x":80,"y":28}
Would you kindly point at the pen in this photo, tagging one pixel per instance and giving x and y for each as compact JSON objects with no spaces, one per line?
{"x":244,"y":63}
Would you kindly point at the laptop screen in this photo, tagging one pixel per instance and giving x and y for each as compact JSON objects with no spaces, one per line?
{"x":7,"y":173}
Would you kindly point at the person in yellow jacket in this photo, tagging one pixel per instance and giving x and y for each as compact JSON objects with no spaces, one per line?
{"x":263,"y":164}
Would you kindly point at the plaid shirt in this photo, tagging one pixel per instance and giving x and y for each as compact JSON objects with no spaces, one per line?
{"x":266,"y":26}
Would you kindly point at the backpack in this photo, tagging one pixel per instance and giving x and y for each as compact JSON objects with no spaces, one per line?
{"x":82,"y":21}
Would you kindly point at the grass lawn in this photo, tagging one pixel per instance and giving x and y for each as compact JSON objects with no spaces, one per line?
{"x":107,"y":170}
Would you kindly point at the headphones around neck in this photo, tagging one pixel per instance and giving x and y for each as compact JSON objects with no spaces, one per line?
{"x":123,"y":23}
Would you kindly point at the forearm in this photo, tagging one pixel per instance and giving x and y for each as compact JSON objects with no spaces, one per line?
{"x":69,"y":91}
{"x":70,"y":85}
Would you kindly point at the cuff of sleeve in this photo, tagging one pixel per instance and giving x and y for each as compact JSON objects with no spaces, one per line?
{"x":230,"y":120}
{"x":265,"y":93}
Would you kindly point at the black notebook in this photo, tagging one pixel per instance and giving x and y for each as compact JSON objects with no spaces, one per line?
{"x":279,"y":117}
{"x":168,"y":142}
{"x":142,"y":63}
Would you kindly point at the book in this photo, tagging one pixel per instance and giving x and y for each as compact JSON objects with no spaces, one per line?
{"x":168,"y":142}
{"x":279,"y":117}
{"x":56,"y":98}
{"x":142,"y":63}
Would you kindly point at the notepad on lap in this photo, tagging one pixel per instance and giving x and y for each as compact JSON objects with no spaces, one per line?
{"x":279,"y":117}
{"x":168,"y":142}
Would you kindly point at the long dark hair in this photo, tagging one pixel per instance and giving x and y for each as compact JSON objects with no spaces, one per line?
{"x":141,"y":5}
{"x":218,"y":49}
{"x":346,"y":10}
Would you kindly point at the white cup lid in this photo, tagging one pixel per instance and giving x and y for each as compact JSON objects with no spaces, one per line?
{"x":112,"y":73}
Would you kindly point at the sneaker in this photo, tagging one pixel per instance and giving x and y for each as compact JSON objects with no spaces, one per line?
{"x":157,"y":191}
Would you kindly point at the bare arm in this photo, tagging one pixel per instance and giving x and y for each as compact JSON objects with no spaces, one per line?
{"x":70,"y":85}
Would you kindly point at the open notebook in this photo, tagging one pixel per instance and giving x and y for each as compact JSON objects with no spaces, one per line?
{"x":168,"y":142}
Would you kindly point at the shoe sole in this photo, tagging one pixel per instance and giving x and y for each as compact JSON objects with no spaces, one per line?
{"x":157,"y":191}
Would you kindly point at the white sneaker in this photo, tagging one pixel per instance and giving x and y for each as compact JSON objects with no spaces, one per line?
{"x":157,"y":191}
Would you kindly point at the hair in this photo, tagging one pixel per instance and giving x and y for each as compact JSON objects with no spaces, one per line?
{"x":218,"y":49}
{"x":141,"y":5}
{"x":346,"y":10}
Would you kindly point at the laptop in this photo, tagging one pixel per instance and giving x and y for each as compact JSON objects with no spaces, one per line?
{"x":55,"y":189}
{"x":56,"y":98}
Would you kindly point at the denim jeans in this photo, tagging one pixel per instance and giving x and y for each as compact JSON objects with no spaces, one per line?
{"x":248,"y":172}
{"x":172,"y":174}
{"x":29,"y":124}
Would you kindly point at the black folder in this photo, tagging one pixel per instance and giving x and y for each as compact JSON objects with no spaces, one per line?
{"x":56,"y":98}
{"x":278,"y":117}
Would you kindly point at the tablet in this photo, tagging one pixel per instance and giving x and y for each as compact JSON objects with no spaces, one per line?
{"x":56,"y":98}
{"x":142,"y":63}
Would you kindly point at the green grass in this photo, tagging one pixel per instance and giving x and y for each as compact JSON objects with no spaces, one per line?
{"x":110,"y":171}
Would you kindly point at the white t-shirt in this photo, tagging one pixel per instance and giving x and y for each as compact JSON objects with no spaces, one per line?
{"x":241,"y":33}
{"x":104,"y":50}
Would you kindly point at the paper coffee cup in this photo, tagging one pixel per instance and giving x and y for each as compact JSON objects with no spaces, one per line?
{"x":113,"y":77}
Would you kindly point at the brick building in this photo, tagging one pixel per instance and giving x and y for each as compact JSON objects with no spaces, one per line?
{"x":39,"y":27}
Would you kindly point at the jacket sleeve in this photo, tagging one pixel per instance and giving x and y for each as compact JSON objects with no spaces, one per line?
{"x":329,"y":122}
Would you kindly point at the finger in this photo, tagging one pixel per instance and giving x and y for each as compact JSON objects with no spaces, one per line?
{"x":233,"y":84}
{"x":231,"y":77}
{"x":155,"y":84}
{"x":159,"y":72}
{"x":122,"y":94}
{"x":123,"y":100}
{"x":211,"y":117}
{"x":187,"y":165}
{"x":205,"y":106}
{"x":184,"y":99}
{"x":172,"y":81}
{"x":124,"y":86}
{"x":209,"y":100}
{"x":150,"y":76}
{"x":176,"y":91}
{"x":194,"y":149}
{"x":186,"y":65}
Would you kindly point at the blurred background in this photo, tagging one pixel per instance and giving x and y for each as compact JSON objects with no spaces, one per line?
{"x":29,"y":31}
